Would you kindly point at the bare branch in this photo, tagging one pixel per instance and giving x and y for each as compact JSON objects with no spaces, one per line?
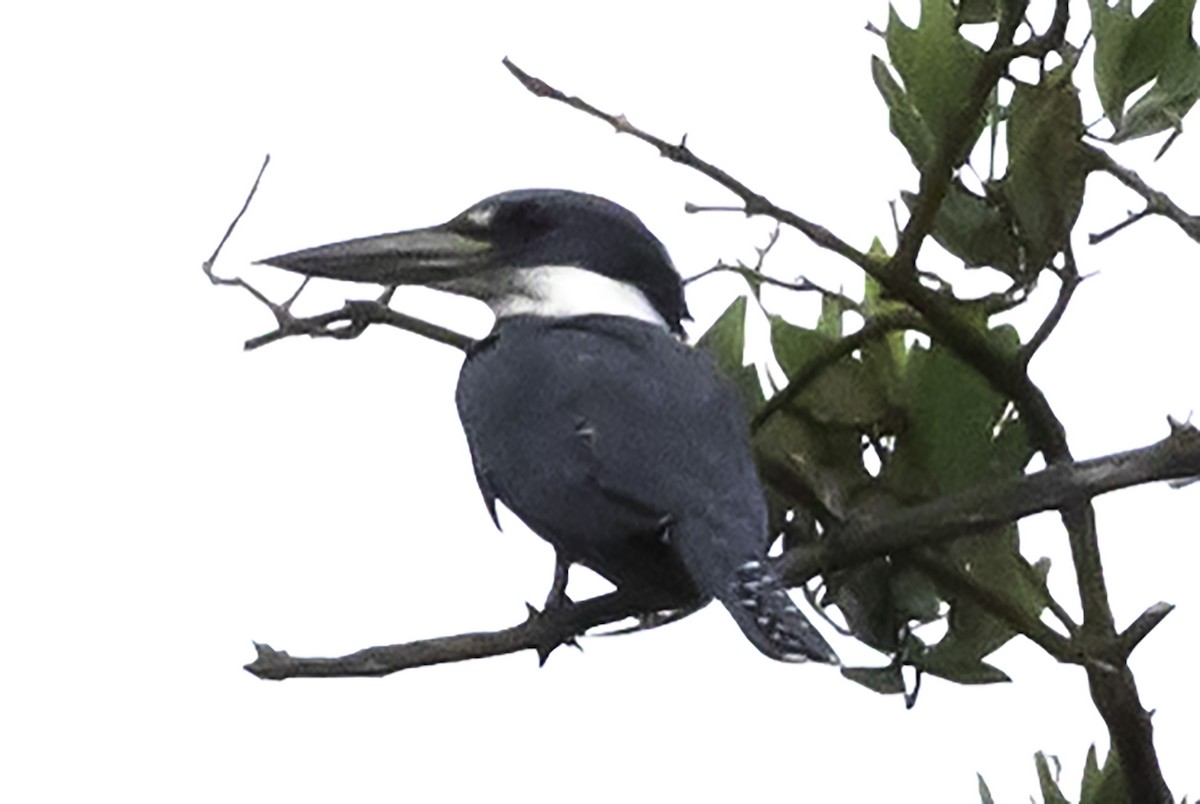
{"x":755,"y":204}
{"x":208,"y":264}
{"x":1070,"y":280}
{"x":348,"y":322}
{"x":1131,"y":218}
{"x":541,"y":632}
{"x":1157,"y":203}
{"x":353,"y":319}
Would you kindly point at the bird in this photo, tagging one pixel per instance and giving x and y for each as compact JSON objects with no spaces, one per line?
{"x":585,"y":411}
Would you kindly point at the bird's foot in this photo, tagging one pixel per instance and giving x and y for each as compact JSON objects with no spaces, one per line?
{"x":548,"y":645}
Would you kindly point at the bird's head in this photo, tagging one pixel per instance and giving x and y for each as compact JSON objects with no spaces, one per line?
{"x":533,"y":252}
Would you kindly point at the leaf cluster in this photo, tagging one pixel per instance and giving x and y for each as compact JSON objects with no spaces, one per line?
{"x":890,"y":424}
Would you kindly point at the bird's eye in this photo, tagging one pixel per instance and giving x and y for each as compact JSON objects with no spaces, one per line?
{"x":479,"y":217}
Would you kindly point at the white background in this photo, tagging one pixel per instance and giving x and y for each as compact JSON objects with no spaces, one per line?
{"x":167,"y":498}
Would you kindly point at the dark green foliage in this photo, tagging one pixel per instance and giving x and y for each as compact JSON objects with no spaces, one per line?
{"x":1133,"y":51}
{"x":938,"y":427}
{"x":938,"y":67}
{"x":725,"y":340}
{"x":975,"y":229}
{"x":873,"y":420}
{"x":1046,"y":165}
{"x":1103,"y":785}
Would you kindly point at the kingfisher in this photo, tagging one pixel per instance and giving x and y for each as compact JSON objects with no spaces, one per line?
{"x":585,"y":411}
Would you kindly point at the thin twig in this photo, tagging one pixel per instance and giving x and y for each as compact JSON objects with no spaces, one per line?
{"x":1157,"y":203}
{"x":354,"y":317}
{"x":348,"y":322}
{"x":1070,"y":280}
{"x":208,"y":264}
{"x":1132,"y":218}
{"x":754,"y":277}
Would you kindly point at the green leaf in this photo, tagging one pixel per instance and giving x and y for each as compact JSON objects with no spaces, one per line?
{"x":976,"y":11}
{"x":826,"y":462}
{"x":830,"y":322}
{"x":844,"y":393}
{"x":1103,"y":785}
{"x":964,"y":672}
{"x":1051,"y":794}
{"x":887,"y":357}
{"x":938,"y":67}
{"x":1132,"y":51}
{"x":797,"y":348}
{"x":904,"y":121}
{"x":973,"y":229}
{"x":914,"y":596}
{"x":861,"y":593}
{"x":884,"y":680}
{"x":985,"y":795}
{"x":949,"y":442}
{"x":1046,"y":166}
{"x":1165,"y":104}
{"x":725,"y":340}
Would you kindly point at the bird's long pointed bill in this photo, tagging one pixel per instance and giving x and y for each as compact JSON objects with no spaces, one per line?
{"x":417,"y":257}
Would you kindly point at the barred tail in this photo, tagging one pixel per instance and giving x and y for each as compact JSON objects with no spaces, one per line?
{"x":726,"y":567}
{"x":761,"y":606}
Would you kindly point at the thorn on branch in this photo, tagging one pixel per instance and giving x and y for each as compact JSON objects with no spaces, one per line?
{"x":540,"y":632}
{"x":755,"y":204}
{"x":1140,"y":628}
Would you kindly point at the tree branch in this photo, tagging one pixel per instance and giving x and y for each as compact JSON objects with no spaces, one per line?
{"x":352,"y":320}
{"x":1070,"y":279}
{"x":755,"y":204}
{"x":348,"y":322}
{"x":541,"y":632}
{"x":1157,"y":203}
{"x":865,"y":536}
{"x":860,"y":539}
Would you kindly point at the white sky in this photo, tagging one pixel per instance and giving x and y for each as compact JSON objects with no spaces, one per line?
{"x":168,"y":498}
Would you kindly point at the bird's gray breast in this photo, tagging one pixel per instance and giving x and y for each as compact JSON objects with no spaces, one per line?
{"x":599,"y":432}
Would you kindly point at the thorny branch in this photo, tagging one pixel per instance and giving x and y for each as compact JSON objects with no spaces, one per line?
{"x":1113,"y":689}
{"x":754,"y":276}
{"x":860,"y":538}
{"x":1065,"y":485}
{"x":541,"y":632}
